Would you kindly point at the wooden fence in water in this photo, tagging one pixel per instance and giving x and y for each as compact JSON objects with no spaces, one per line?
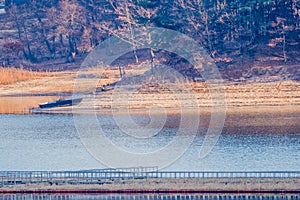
{"x":102,"y":175}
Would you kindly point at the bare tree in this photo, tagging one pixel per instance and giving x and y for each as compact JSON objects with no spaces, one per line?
{"x":125,"y":9}
{"x":20,"y":16}
{"x":71,"y":25}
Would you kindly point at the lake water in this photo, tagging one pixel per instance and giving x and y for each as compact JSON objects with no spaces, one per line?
{"x":51,"y":142}
{"x":153,"y":197}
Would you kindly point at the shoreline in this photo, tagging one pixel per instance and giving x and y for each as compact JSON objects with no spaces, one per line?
{"x":19,"y":98}
{"x":145,"y":111}
{"x":238,"y":120}
{"x":241,"y":120}
{"x":189,"y":110}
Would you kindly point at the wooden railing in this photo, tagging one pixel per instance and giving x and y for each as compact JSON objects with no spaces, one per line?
{"x":102,"y":175}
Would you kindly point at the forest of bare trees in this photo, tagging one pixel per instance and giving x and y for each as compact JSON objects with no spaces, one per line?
{"x":232,"y":31}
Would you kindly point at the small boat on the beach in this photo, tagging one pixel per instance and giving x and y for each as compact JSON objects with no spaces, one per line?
{"x":106,"y":88}
{"x":60,"y":102}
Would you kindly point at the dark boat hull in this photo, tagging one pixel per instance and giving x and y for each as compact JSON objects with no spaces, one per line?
{"x":59,"y":103}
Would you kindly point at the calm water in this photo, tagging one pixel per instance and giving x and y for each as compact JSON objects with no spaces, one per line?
{"x":50,"y":142}
{"x":154,"y":197}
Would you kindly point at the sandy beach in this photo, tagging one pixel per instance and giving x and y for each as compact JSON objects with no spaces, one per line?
{"x":241,"y":97}
{"x":20,"y":97}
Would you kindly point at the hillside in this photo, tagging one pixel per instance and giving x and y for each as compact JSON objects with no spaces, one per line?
{"x":249,"y":41}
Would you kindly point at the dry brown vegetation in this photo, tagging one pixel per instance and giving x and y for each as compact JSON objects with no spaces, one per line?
{"x":237,"y":95}
{"x":14,"y":75}
{"x":22,"y":104}
{"x":174,"y":184}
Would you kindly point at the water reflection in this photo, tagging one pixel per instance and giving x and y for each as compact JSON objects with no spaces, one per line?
{"x":151,"y":197}
{"x":50,"y":142}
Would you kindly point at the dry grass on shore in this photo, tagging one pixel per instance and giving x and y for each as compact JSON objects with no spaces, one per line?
{"x":19,"y":91}
{"x":14,"y":75}
{"x":171,"y":184}
{"x":21,"y":105}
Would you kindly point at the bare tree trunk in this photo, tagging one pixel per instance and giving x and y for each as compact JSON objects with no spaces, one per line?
{"x":207,"y":32}
{"x":51,"y":51}
{"x":131,"y":35}
{"x":30,"y":55}
{"x":120,"y":70}
{"x":283,"y":49}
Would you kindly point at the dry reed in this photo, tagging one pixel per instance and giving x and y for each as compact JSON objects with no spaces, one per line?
{"x":14,"y":75}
